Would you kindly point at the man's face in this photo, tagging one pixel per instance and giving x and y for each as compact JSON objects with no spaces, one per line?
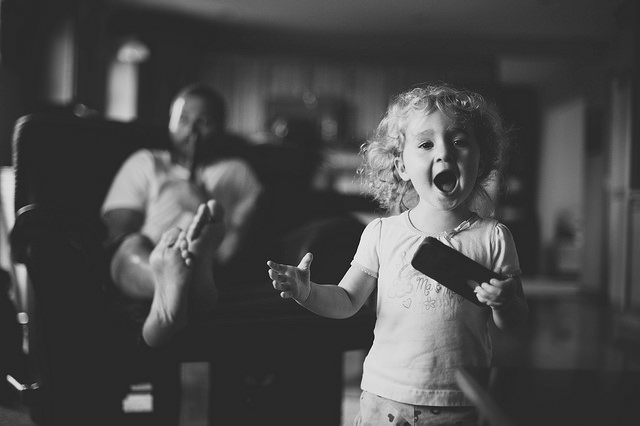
{"x":191,"y":122}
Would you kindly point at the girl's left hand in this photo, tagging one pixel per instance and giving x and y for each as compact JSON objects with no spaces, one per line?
{"x":496,"y":293}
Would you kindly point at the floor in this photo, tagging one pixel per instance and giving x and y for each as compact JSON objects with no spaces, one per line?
{"x":193,"y":405}
{"x":568,"y":329}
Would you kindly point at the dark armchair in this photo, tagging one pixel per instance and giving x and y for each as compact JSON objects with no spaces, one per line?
{"x":82,"y":357}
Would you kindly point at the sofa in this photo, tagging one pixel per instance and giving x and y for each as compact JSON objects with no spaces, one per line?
{"x":271,"y":361}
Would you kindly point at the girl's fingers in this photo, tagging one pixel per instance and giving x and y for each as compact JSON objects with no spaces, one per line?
{"x":280,"y":282}
{"x":490,"y":289}
{"x":277,"y":276}
{"x":509,"y":282}
{"x":305,"y":262}
{"x":283,"y":287}
{"x":490,"y":295}
{"x":286,"y":295}
{"x":276,"y":266}
{"x":482,"y":298}
{"x":281,"y":279}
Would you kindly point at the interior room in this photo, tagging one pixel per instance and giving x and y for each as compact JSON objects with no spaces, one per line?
{"x":303,"y":78}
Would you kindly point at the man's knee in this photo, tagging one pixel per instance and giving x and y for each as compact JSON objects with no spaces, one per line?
{"x":129,"y":259}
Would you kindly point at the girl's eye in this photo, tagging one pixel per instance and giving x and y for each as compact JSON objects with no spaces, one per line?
{"x":426,"y":145}
{"x":460,"y":143}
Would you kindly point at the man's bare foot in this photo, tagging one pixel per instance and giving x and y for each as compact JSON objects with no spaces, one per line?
{"x":204,"y":235}
{"x":206,"y":230}
{"x":172,"y":277}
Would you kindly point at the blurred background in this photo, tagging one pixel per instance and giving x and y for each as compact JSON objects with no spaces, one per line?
{"x":564,"y":73}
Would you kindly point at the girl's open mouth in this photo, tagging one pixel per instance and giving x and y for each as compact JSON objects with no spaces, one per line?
{"x":446,"y":181}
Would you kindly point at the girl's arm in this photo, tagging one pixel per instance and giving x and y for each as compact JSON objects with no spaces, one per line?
{"x":328,"y":300}
{"x":507,"y":301}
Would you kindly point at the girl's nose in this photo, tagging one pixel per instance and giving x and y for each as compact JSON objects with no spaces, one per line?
{"x":443,"y":152}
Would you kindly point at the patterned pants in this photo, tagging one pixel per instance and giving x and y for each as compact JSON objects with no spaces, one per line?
{"x":375,"y":410}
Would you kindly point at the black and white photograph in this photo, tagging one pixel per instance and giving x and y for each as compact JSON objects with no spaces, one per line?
{"x":319,"y":213}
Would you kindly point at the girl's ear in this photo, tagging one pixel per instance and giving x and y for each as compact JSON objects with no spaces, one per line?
{"x":399,"y":165}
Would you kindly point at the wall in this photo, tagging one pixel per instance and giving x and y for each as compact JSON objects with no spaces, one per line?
{"x":250,"y":76}
{"x":571,"y":178}
{"x":59,"y":82}
{"x":37,"y":70}
{"x":623,"y":188}
{"x":249,"y":80}
{"x":561,"y":175}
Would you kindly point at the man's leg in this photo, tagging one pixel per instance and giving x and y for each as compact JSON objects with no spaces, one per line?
{"x":164,"y":273}
{"x":130,"y":269}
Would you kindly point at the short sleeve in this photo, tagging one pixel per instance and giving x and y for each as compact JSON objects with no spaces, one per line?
{"x":130,"y":186}
{"x":504,"y":254}
{"x":367,"y":257}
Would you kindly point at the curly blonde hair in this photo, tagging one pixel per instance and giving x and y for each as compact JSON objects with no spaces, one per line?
{"x":378,"y":171}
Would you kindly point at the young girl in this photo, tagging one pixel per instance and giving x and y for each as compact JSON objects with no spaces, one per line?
{"x":433,"y":153}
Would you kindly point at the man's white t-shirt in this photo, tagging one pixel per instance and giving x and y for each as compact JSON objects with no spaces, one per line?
{"x":149,"y":182}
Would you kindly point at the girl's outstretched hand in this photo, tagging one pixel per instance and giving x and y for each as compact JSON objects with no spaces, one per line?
{"x":497,"y":293}
{"x":292,"y":281}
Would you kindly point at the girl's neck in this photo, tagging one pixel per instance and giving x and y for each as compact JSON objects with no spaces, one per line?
{"x":433,"y":221}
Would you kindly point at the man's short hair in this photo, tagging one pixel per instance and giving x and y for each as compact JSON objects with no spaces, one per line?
{"x":213,"y":98}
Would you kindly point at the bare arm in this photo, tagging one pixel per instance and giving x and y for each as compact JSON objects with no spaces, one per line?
{"x":328,"y":300}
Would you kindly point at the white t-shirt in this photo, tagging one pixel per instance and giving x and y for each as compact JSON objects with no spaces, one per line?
{"x":424,"y":332}
{"x":149,"y":182}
